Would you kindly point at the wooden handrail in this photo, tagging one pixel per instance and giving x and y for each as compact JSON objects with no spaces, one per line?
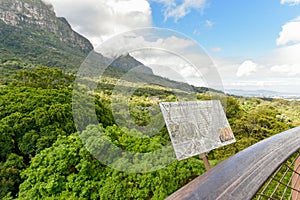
{"x":241,"y":176}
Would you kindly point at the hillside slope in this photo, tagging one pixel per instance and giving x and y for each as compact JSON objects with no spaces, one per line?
{"x":31,"y":32}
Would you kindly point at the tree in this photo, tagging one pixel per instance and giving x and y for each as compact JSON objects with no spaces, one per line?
{"x":68,"y":168}
{"x":43,"y":77}
{"x":9,"y":175}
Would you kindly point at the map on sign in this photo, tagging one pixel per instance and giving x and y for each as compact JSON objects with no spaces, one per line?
{"x":196,"y":127}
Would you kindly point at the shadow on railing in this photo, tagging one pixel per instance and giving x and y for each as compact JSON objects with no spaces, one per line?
{"x":267,"y":170}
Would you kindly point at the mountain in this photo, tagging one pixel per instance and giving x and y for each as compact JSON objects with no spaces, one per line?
{"x":127,"y":62}
{"x":31,"y":32}
{"x":35,"y":14}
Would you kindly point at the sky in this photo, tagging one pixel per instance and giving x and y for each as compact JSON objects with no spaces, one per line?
{"x":254,"y":45}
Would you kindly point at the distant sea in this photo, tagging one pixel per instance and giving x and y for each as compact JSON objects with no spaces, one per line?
{"x":263,"y":94}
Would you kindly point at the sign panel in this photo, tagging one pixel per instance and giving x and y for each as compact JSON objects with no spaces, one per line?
{"x":196,"y":127}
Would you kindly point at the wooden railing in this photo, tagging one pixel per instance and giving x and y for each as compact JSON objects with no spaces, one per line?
{"x":250,"y":173}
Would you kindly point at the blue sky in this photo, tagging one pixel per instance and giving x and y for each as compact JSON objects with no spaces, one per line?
{"x":254,"y":44}
{"x":239,"y":28}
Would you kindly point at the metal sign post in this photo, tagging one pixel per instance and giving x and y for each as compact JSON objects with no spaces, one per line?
{"x":205,"y":161}
{"x":196,"y":127}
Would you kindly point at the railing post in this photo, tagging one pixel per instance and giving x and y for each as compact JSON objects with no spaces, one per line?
{"x":296,"y":180}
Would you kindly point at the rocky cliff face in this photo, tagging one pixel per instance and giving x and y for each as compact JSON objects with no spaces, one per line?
{"x":31,"y":32}
{"x":35,"y":14}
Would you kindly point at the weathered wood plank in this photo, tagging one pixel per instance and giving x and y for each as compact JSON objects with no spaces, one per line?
{"x":242,"y":175}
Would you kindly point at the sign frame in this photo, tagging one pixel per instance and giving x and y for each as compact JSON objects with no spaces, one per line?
{"x":196,"y":127}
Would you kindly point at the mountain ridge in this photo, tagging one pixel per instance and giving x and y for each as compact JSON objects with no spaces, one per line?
{"x":36,"y":14}
{"x":27,"y":36}
{"x":31,"y":32}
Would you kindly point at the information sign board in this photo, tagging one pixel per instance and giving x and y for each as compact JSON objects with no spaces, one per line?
{"x":196,"y":127}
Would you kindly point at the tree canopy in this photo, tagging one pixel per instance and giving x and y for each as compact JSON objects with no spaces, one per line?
{"x":43,"y":156}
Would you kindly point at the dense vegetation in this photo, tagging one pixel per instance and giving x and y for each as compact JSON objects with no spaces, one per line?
{"x":35,"y":45}
{"x":43,"y":157}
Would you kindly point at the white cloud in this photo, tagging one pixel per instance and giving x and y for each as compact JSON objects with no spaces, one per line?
{"x":216,"y":49}
{"x":99,"y":20}
{"x":209,"y":23}
{"x":285,"y":61}
{"x":290,"y":2}
{"x":247,"y":68}
{"x":288,"y":70}
{"x":269,"y":83}
{"x":176,"y":67}
{"x":173,"y":10}
{"x":290,"y":33}
{"x":196,"y":32}
{"x":121,"y":44}
{"x":279,"y":70}
{"x":167,"y":3}
{"x":173,"y":56}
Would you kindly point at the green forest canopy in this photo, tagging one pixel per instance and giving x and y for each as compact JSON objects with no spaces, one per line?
{"x":43,"y":157}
